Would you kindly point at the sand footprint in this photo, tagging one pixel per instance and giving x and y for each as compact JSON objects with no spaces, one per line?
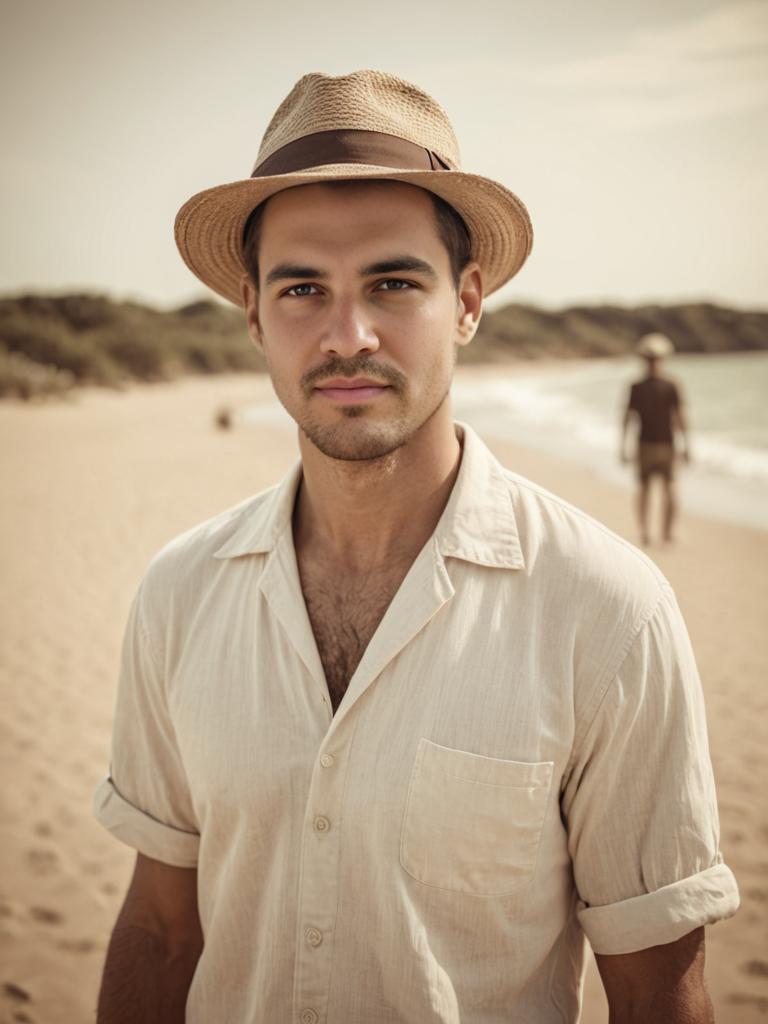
{"x":18,"y":997}
{"x":45,"y":915}
{"x":43,"y":862}
{"x":16,"y":993}
{"x":77,"y":945}
{"x":757,"y":968}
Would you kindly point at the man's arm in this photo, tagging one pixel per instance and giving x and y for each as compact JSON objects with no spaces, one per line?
{"x":629,"y":414}
{"x":680,"y":425}
{"x":154,"y":949}
{"x":663,"y":983}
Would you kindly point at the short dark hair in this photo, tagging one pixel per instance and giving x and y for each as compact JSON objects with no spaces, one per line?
{"x":453,"y":232}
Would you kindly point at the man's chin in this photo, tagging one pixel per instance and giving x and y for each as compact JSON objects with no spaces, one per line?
{"x":355,"y":440}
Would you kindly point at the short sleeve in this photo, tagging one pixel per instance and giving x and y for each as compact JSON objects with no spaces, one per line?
{"x":640,"y":805}
{"x":145,"y":801}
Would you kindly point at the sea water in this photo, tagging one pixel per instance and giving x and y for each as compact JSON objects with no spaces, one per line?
{"x":575,"y":412}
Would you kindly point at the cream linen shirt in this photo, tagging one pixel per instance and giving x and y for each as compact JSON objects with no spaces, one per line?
{"x":520,"y":759}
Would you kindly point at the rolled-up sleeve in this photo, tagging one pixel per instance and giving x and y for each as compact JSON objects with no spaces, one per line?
{"x":640,"y":803}
{"x":145,"y":801}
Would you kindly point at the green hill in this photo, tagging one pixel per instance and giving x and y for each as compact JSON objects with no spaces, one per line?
{"x":527,"y":332}
{"x":51,"y":344}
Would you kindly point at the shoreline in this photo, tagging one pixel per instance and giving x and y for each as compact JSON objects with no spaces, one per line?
{"x":94,"y":488}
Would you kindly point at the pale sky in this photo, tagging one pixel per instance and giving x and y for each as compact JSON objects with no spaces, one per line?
{"x":635,"y":133}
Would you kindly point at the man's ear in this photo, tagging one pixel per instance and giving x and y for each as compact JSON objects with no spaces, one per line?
{"x":470,"y":303}
{"x":250,"y":298}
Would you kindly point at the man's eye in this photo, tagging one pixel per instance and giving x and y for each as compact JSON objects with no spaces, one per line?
{"x":297,"y":291}
{"x":395,"y":284}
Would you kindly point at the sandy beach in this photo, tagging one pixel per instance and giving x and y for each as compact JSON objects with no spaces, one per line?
{"x":91,"y":489}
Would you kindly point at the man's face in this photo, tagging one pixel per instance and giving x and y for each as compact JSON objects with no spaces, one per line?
{"x":357,"y":313}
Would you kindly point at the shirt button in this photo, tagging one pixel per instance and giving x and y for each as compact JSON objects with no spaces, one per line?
{"x":322,"y":824}
{"x":308,"y":1016}
{"x":326,"y":760}
{"x":314,"y":936}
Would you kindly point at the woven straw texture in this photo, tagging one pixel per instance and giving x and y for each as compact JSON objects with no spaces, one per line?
{"x":209,"y":226}
{"x":367,"y":100}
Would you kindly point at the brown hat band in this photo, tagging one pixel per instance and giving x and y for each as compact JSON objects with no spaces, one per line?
{"x":349,"y":146}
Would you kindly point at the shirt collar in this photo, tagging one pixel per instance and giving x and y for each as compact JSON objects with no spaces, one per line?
{"x":477,"y":525}
{"x":263,"y":519}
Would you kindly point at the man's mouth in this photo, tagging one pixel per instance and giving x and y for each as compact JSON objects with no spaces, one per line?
{"x":351,"y":389}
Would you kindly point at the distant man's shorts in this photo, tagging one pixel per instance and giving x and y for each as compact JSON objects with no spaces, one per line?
{"x":655,"y":459}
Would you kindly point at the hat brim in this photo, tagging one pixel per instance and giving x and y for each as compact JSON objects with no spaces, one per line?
{"x":209,"y":226}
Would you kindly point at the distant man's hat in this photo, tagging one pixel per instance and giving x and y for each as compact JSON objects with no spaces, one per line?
{"x":367,"y":124}
{"x":654,"y":346}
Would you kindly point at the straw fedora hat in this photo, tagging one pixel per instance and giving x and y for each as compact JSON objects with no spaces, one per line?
{"x":654,"y":346}
{"x":367,"y":124}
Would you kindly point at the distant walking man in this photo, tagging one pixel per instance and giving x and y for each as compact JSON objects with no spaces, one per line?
{"x":656,"y":402}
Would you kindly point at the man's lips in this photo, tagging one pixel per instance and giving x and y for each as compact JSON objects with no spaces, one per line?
{"x":352,"y":389}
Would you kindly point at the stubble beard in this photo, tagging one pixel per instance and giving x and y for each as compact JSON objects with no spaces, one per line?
{"x":355,"y":440}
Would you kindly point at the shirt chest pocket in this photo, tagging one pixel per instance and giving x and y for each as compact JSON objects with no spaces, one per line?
{"x":473,"y":824}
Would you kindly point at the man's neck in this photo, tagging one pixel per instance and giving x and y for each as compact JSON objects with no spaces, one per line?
{"x":369,"y":515}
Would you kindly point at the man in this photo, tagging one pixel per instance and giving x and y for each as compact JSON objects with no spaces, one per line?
{"x":394,"y":735}
{"x":655,"y":402}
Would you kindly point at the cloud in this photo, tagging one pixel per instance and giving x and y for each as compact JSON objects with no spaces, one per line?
{"x":701,"y":68}
{"x":707,"y":67}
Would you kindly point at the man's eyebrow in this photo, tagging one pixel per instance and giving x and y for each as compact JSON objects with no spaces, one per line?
{"x":285,"y":271}
{"x":397,"y":264}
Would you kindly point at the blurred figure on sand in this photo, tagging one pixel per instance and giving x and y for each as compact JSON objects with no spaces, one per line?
{"x":224,"y":418}
{"x":656,"y":405}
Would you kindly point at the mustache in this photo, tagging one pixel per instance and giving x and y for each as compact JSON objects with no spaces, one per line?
{"x":358,"y":366}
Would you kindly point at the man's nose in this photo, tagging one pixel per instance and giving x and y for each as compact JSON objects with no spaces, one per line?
{"x":349,"y":331}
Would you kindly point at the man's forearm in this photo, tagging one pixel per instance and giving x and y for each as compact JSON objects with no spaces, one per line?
{"x":623,"y":438}
{"x":144,"y":980}
{"x":661,"y":983}
{"x":685,"y":1007}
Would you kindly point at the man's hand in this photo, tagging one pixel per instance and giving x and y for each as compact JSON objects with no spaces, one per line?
{"x":154,"y":948}
{"x":660,"y":984}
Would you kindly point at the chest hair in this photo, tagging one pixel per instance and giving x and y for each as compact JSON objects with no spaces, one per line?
{"x":345,"y":611}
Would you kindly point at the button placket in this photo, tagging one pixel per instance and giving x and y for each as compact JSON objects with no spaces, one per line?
{"x":319,"y":896}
